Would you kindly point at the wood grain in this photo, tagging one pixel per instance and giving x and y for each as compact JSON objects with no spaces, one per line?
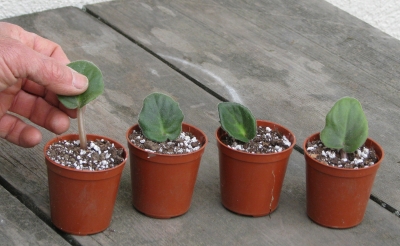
{"x":20,"y":226}
{"x":288,"y":61}
{"x":130,"y":74}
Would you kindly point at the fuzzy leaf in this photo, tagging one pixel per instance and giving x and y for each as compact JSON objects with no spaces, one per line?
{"x":96,"y":85}
{"x":237,"y":121}
{"x":346,"y":126}
{"x":160,"y":118}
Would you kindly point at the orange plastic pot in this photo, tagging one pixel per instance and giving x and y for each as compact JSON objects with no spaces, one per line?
{"x":162,"y":184}
{"x":338,"y":197}
{"x":82,"y":202}
{"x":251,"y":183}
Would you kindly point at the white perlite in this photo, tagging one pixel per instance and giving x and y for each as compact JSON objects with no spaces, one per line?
{"x":286,"y":141}
{"x":185,"y":143}
{"x":363,"y":157}
{"x":99,"y":155}
{"x":266,"y":141}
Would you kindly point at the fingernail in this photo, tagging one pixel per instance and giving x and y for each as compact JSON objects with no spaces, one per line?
{"x":78,"y":80}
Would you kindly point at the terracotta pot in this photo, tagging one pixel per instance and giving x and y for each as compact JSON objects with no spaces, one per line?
{"x":338,"y":197}
{"x":251,"y":183}
{"x":162,"y":184}
{"x":82,"y":202}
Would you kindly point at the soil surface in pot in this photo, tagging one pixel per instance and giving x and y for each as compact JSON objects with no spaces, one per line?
{"x":99,"y":155}
{"x":363,"y":157}
{"x":186,"y":143}
{"x":266,"y":141}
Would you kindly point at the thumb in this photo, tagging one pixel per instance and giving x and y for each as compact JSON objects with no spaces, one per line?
{"x":57,"y":77}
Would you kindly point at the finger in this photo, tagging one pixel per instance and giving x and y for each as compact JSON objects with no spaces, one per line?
{"x":49,"y":48}
{"x":34,"y":41}
{"x":52,"y":99}
{"x":48,"y":96}
{"x":23,"y":62}
{"x":38,"y":111}
{"x":18,"y":132}
{"x":33,"y":88}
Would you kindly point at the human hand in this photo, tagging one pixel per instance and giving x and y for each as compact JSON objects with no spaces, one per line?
{"x":32,"y":71}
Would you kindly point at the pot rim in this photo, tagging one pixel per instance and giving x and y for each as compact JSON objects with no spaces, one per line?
{"x":373,"y":143}
{"x":73,"y":136}
{"x":204,"y":140}
{"x":219,"y":129}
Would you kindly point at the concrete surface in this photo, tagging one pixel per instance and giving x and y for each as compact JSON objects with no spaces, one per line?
{"x":11,"y":8}
{"x":382,"y":14}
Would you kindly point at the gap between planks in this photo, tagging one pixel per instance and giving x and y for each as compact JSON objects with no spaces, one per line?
{"x":298,"y":148}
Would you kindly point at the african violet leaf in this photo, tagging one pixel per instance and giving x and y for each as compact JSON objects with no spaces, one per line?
{"x":96,"y":85}
{"x":237,"y":121}
{"x":346,"y":126}
{"x":160,"y":118}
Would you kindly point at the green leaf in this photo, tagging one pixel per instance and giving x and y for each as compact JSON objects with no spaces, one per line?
{"x":237,"y":121}
{"x":96,"y":85}
{"x":346,"y":126}
{"x":160,"y":118}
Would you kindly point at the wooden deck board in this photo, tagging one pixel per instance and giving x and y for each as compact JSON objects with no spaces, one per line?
{"x":288,"y":61}
{"x":20,"y":226}
{"x":130,"y":74}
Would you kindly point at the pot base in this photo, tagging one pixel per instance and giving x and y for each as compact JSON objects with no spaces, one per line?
{"x":251,"y":215}
{"x":158,"y":216}
{"x":330,"y":225}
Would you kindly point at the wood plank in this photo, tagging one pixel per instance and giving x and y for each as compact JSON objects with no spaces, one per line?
{"x":130,"y":74}
{"x":20,"y":226}
{"x":288,"y":61}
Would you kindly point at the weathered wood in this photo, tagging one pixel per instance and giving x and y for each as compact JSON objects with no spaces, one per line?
{"x":288,"y":61}
{"x":20,"y":226}
{"x":130,"y":74}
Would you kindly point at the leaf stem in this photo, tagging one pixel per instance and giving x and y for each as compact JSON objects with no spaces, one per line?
{"x":81,"y":128}
{"x":343,"y":154}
